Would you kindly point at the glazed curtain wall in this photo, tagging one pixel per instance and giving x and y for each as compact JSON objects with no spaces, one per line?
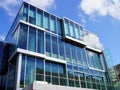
{"x":42,"y":19}
{"x":37,"y":69}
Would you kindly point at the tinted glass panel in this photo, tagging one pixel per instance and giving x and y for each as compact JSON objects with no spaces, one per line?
{"x":40,"y":18}
{"x":59,"y":26}
{"x":39,"y":66}
{"x":32,"y":39}
{"x":25,"y":12}
{"x":32,"y":15}
{"x":40,"y":47}
{"x":48,"y":44}
{"x":30,"y":71}
{"x":47,"y":68}
{"x":53,"y":24}
{"x":46,"y":21}
{"x":54,"y":47}
{"x":22,"y":42}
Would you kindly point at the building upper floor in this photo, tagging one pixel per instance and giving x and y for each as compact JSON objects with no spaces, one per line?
{"x":70,"y":30}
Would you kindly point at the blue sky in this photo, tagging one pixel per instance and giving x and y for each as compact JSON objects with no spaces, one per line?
{"x":101,"y":17}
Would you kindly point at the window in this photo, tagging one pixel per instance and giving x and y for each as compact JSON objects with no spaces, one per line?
{"x":77,"y":32}
{"x":46,"y":21}
{"x":54,"y":47}
{"x":32,"y":15}
{"x":74,"y":57}
{"x":81,"y":32}
{"x":23,"y":32}
{"x":59,"y":26}
{"x":40,"y":47}
{"x":67,"y":32}
{"x":79,"y":55}
{"x":72,"y":33}
{"x":39,"y":18}
{"x":94,"y":60}
{"x":22,"y":78}
{"x":39,"y":66}
{"x":32,"y":39}
{"x":30,"y":71}
{"x":48,"y":44}
{"x":39,"y":70}
{"x":62,"y":71}
{"x":61,"y":49}
{"x":68,"y":55}
{"x":53,"y":24}
{"x":25,"y":12}
{"x":47,"y":68}
{"x":54,"y":69}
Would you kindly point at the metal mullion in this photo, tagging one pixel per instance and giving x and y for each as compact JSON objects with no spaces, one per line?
{"x":44,"y":72}
{"x":37,"y":40}
{"x":25,"y":70}
{"x":28,"y":38}
{"x":35,"y":70}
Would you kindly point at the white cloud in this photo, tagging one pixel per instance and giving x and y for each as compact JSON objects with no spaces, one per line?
{"x":2,"y":37}
{"x":10,"y":5}
{"x":92,"y":40}
{"x":101,"y":7}
{"x":44,"y":4}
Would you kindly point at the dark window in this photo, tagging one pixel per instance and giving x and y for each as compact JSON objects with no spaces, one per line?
{"x":32,"y":39}
{"x":23,"y":32}
{"x":40,"y":48}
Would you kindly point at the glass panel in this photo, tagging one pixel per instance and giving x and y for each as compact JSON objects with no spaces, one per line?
{"x":76,"y":76}
{"x":77,"y":32}
{"x":72,"y":33}
{"x":71,"y":83}
{"x":59,"y":26}
{"x":47,"y":68}
{"x":40,"y":48}
{"x":32,"y":39}
{"x":54,"y":47}
{"x":84,"y":57}
{"x":62,"y":70}
{"x":79,"y":55}
{"x":53,"y":24}
{"x":46,"y":21}
{"x":77,"y":84}
{"x":25,"y":12}
{"x":83,"y":84}
{"x":22,"y":78}
{"x":39,"y":66}
{"x":63,"y":82}
{"x":39,"y":77}
{"x":67,"y":32}
{"x":54,"y":69}
{"x":55,"y":81}
{"x":40,"y":18}
{"x":81,"y":32}
{"x":32,"y":15}
{"x":68,"y":55}
{"x":48,"y":44}
{"x":30,"y":71}
{"x":74,"y":57}
{"x":81,"y":69}
{"x":48,"y":79}
{"x":89,"y":85}
{"x":61,"y":49}
{"x":82,"y":76}
{"x":23,"y":32}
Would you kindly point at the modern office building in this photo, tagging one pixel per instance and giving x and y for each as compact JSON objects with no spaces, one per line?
{"x":51,"y":53}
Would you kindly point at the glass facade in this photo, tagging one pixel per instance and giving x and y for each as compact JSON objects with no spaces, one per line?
{"x":44,"y":36}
